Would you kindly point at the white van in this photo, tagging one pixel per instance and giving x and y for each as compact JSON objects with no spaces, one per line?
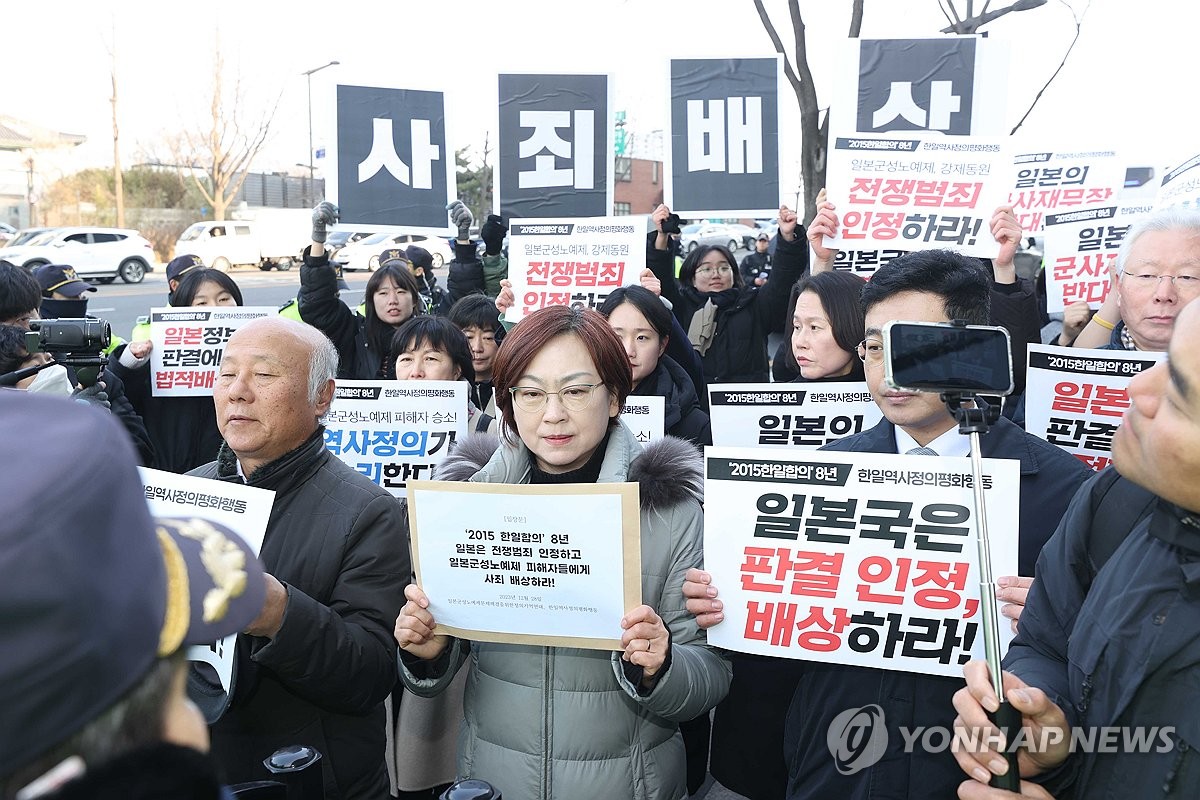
{"x":224,"y":244}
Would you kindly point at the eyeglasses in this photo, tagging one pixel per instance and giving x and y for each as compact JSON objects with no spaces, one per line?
{"x":1183,"y":284}
{"x":709,"y":269}
{"x":870,"y":351}
{"x":573,"y":398}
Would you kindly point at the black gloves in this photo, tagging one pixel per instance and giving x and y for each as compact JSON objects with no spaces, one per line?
{"x":492,"y":233}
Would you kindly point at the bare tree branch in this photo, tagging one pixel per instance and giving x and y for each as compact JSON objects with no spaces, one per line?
{"x":1061,"y":64}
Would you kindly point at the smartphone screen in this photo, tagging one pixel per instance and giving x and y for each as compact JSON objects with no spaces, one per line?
{"x":939,"y":357}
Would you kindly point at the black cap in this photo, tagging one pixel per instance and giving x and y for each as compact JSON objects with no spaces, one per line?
{"x":419,"y":257}
{"x":93,"y":589}
{"x":764,"y":237}
{"x":181,"y":264}
{"x":60,"y":278}
{"x":393,"y":254}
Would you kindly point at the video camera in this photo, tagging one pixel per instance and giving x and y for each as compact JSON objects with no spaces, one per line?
{"x":78,"y":343}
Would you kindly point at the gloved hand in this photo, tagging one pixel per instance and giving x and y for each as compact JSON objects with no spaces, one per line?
{"x":324,"y":215}
{"x":461,"y":217}
{"x":94,"y":394}
{"x":492,"y":234}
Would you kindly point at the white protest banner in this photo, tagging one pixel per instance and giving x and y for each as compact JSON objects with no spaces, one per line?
{"x":395,"y":431}
{"x":1180,"y":187}
{"x":572,"y":262}
{"x":1080,"y":248}
{"x":243,"y":509}
{"x":854,"y":558}
{"x":916,"y":192}
{"x":1061,"y":181}
{"x":804,"y":415}
{"x":644,"y":416}
{"x":1075,"y":398}
{"x":863,"y":262}
{"x":554,"y":565}
{"x":188,"y":344}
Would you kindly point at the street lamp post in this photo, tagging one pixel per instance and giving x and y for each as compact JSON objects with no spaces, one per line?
{"x":308,"y":77}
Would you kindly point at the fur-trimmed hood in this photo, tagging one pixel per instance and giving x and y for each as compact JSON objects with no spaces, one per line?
{"x":667,"y":471}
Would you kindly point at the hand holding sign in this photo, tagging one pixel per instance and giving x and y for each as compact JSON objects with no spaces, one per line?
{"x":825,"y":223}
{"x":415,"y":626}
{"x":701,"y":598}
{"x":645,"y":640}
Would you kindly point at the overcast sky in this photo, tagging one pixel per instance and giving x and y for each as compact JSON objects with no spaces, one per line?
{"x":1127,"y":84}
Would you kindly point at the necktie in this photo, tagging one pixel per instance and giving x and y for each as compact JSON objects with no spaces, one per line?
{"x":921,"y":451}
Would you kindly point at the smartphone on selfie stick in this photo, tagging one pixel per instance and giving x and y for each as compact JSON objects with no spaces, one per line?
{"x":961,"y":362}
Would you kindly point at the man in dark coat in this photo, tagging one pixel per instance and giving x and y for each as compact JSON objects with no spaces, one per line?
{"x":929,"y":286}
{"x":315,"y":668}
{"x":1108,"y":639}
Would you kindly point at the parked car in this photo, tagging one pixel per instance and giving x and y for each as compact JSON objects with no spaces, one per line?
{"x":708,"y":233}
{"x":364,"y":254}
{"x":103,"y":254}
{"x":7,"y":233}
{"x":25,"y":235}
{"x":745,"y":232}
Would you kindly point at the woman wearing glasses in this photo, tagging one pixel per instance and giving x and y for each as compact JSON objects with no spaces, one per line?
{"x":546,"y":722}
{"x":727,"y":321}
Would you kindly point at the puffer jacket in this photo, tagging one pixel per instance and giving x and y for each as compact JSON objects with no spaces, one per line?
{"x":738,"y":353}
{"x":347,"y":329}
{"x":683,"y":415}
{"x":1118,"y":648}
{"x":551,"y":722}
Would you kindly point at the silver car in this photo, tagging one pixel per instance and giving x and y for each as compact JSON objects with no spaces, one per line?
{"x":708,"y":233}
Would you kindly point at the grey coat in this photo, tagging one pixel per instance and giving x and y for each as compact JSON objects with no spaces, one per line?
{"x":548,"y":722}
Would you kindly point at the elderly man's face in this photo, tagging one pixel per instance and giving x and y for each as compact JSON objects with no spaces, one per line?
{"x":261,"y":395}
{"x":1161,"y":276}
{"x":1158,"y":443}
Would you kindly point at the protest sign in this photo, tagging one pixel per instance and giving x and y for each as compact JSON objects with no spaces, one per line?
{"x":572,"y":262}
{"x":395,"y":431}
{"x":916,"y":193}
{"x":854,"y":558}
{"x":804,"y":415}
{"x":1180,"y":187}
{"x":644,"y":417}
{"x":1062,"y":181}
{"x":723,"y":145}
{"x":1080,"y":250}
{"x":243,"y":509}
{"x":188,"y":344}
{"x":554,"y":157}
{"x":551,"y":565}
{"x":1075,"y":398}
{"x":952,"y":86}
{"x":389,"y":163}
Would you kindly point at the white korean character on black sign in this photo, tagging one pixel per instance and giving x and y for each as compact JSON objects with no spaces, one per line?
{"x":383,"y":154}
{"x":547,"y":147}
{"x":725,"y":135}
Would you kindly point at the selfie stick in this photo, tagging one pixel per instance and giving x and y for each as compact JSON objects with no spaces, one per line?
{"x":973,"y":422}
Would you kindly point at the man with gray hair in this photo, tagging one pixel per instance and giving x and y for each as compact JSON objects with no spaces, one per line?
{"x":316,"y":665}
{"x":1157,"y":274}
